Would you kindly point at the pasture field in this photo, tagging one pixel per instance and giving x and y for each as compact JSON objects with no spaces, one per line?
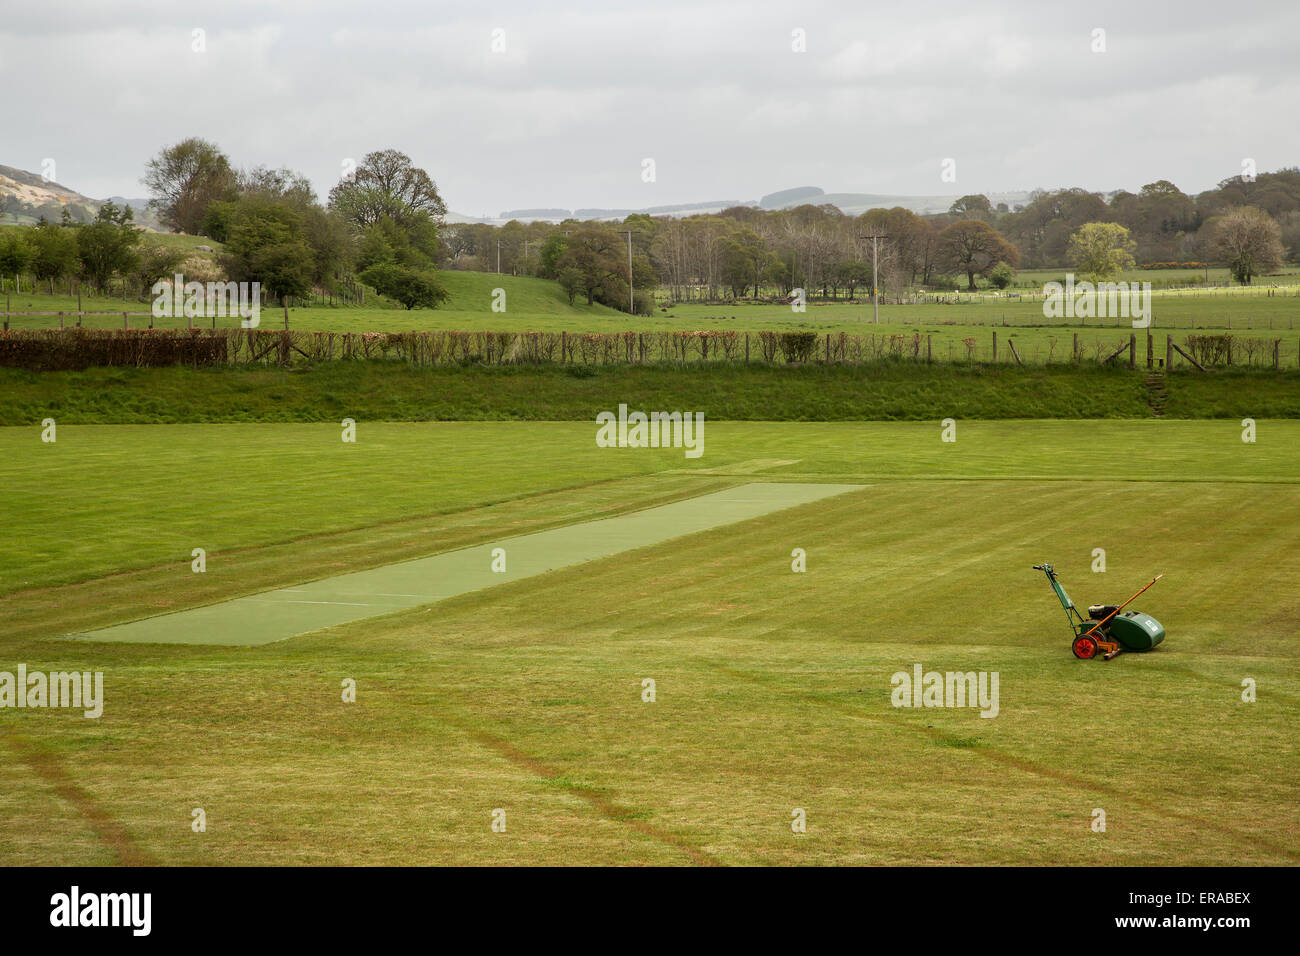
{"x":540,"y":305}
{"x":542,"y":301}
{"x":1179,"y":278}
{"x":772,"y":688}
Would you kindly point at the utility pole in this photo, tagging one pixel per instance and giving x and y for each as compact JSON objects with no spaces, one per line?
{"x":631,"y":299}
{"x":875,"y":282}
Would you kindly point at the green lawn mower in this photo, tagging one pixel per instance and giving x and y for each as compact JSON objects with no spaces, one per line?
{"x":1108,"y":628}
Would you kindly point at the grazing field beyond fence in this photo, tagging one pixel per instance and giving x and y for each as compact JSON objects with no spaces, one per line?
{"x":74,"y":348}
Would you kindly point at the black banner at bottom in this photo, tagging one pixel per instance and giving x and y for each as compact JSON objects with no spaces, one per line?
{"x":130,"y":906}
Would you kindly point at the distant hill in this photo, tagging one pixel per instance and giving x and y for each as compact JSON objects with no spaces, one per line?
{"x":25,"y":197}
{"x":555,"y":215}
{"x":796,"y":196}
{"x":851,"y":204}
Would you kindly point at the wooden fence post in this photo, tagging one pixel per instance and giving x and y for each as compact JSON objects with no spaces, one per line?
{"x":995,"y":345}
{"x":1076,"y":346}
{"x":928,"y":352}
{"x":1150,"y":360}
{"x":1132,"y":349}
{"x":747,"y":348}
{"x":1169,"y":352}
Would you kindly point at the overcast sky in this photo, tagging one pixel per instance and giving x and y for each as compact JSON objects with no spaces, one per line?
{"x":713,"y":92}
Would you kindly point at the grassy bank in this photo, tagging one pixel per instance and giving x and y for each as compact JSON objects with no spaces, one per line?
{"x":389,"y":391}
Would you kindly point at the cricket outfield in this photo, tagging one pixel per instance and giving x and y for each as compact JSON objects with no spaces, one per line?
{"x":769,"y":694}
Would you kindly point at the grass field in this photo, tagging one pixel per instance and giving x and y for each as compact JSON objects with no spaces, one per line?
{"x":541,"y":305}
{"x":471,"y":297}
{"x":1187,"y":278}
{"x":772,"y":688}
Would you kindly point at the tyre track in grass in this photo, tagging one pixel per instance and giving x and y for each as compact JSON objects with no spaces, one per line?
{"x":108,"y":828}
{"x":606,"y":808}
{"x":1021,"y":764}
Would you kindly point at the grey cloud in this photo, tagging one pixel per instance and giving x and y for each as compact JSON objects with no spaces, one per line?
{"x":711,"y":91}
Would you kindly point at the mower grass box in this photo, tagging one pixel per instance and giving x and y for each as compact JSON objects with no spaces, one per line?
{"x":1136,"y":631}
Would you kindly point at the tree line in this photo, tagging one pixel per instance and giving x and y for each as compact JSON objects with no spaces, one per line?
{"x":379,"y":227}
{"x":383,"y":225}
{"x":1250,"y":226}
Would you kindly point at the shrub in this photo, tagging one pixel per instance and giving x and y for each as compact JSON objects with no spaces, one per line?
{"x":412,"y":288}
{"x":1210,"y":349}
{"x":798,"y":346}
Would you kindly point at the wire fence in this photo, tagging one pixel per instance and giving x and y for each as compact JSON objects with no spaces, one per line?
{"x":76,"y":348}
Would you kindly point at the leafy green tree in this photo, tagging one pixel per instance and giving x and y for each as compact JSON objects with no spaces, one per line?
{"x":107,"y":246}
{"x":552,"y":249}
{"x":324,"y":231}
{"x":1101,"y":250}
{"x":266,"y":245}
{"x":156,"y":262}
{"x":1001,"y":275}
{"x":853,"y":273}
{"x":15,"y":253}
{"x":387,"y":240}
{"x":386,"y":183}
{"x":54,"y":252}
{"x":411,"y":287}
{"x":185,"y":179}
{"x":284,"y":183}
{"x":331,"y":245}
{"x":598,"y":255}
{"x":571,"y":281}
{"x":217,"y":219}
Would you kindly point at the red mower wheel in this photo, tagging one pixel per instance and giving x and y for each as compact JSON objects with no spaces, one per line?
{"x":1084,"y":647}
